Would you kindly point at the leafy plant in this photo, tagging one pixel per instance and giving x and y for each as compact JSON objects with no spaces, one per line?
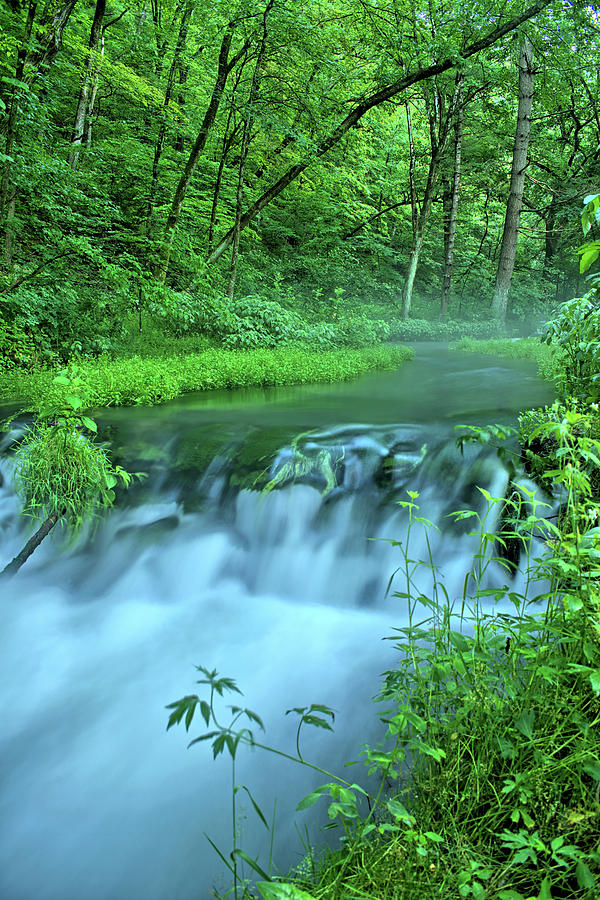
{"x":60,"y":472}
{"x":575,"y":331}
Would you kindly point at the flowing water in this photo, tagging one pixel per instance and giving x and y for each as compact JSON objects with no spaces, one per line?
{"x":283,"y":590}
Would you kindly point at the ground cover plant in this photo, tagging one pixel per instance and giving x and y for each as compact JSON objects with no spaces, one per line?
{"x":148,"y":380}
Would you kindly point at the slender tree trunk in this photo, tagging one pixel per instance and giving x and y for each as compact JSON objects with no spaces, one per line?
{"x":50,"y":37}
{"x":510,"y":234}
{"x":32,"y":544}
{"x":248,"y":122}
{"x":225,"y":66}
{"x":8,"y":191}
{"x":414,"y":205}
{"x":362,"y":107}
{"x":160,"y":140}
{"x":439,"y":131}
{"x":93,"y":92}
{"x":141,"y":19}
{"x":450,"y":230}
{"x":550,"y":237}
{"x":180,"y":137}
{"x":87,"y":81}
{"x":228,"y":139}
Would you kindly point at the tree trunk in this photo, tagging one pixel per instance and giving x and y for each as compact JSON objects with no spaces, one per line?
{"x":450,"y":230}
{"x":225,"y":66}
{"x":160,"y":140}
{"x":375,"y":99}
{"x":180,"y":137}
{"x":8,"y":191}
{"x":89,"y":70}
{"x":248,"y":122}
{"x":508,"y":250}
{"x":32,"y":544}
{"x":414,"y":206}
{"x":228,"y":139}
{"x":419,"y":234}
{"x":439,"y":131}
{"x":50,"y":38}
{"x":93,"y":92}
{"x":550,"y":237}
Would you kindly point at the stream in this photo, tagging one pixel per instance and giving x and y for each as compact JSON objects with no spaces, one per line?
{"x":284,"y":590}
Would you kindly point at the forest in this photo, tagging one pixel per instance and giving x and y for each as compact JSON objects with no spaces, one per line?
{"x":249,"y":172}
{"x":300,"y":381}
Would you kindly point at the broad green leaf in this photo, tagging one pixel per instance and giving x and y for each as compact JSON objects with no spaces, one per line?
{"x":545,"y":890}
{"x":312,"y":798}
{"x":595,"y":680}
{"x":74,"y":401}
{"x":585,"y":878}
{"x":89,"y":424}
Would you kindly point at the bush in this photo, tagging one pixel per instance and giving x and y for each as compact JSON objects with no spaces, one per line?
{"x":575,"y":331}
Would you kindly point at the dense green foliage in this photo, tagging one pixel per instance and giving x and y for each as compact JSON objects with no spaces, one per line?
{"x":527,"y":348}
{"x":135,"y":139}
{"x":249,"y":190}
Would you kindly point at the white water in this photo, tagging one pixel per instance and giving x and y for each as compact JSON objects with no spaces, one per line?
{"x":283,"y":592}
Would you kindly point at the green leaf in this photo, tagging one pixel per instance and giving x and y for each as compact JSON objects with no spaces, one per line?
{"x":312,"y":798}
{"x":182,"y":708}
{"x":89,"y":424}
{"x":589,"y":255}
{"x":585,"y":878}
{"x":257,"y":808}
{"x":399,"y":811}
{"x":459,"y":641}
{"x":525,"y":723}
{"x":252,"y":863}
{"x":203,"y":737}
{"x":593,"y":770}
{"x":73,"y":401}
{"x":545,"y":892}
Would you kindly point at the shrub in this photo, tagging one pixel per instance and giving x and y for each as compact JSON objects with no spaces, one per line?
{"x":575,"y":331}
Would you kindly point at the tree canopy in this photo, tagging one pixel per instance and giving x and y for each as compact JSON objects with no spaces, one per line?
{"x":156,"y":157}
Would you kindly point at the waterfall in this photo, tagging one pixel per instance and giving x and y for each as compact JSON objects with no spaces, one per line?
{"x":281,"y":586}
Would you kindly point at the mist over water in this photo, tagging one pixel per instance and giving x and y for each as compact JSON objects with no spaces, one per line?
{"x":284,"y":591}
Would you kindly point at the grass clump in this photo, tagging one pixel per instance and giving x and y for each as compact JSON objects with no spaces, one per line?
{"x":60,"y":471}
{"x":149,"y":380}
